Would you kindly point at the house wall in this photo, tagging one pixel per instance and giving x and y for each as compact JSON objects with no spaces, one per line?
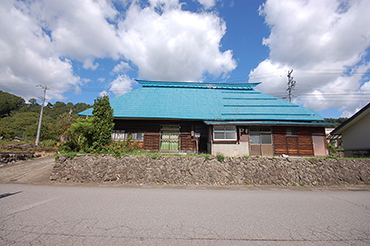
{"x":301,"y":144}
{"x":357,"y":137}
{"x":230,"y":149}
{"x":189,"y":130}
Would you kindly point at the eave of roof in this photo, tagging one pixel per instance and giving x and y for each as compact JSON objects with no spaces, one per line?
{"x":268,"y":123}
{"x":351,"y":121}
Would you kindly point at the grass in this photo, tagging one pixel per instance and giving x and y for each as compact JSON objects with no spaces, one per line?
{"x":220,"y":157}
{"x":311,"y":159}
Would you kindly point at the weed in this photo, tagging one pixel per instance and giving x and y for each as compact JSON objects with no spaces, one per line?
{"x":311,"y":159}
{"x":220,"y":157}
{"x":246,"y":183}
{"x":206,"y":158}
{"x":328,"y":157}
{"x":302,"y":184}
{"x":368,"y":183}
{"x":294,"y":184}
{"x":245,"y":157}
{"x":160,"y":183}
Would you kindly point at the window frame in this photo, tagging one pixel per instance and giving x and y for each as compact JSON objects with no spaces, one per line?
{"x":291,"y":132}
{"x":122,"y":135}
{"x":225,"y":133}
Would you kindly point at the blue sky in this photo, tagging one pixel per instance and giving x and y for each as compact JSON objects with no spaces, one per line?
{"x":82,"y":49}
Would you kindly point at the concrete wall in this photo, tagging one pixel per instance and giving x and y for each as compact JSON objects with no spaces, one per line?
{"x":230,"y":149}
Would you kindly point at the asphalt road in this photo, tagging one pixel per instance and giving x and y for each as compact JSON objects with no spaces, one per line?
{"x":158,"y":215}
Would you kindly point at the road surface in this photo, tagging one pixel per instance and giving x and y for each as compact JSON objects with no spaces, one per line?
{"x":29,"y":171}
{"x":159,"y":215}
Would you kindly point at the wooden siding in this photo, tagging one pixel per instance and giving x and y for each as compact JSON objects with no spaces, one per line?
{"x":152,"y":133}
{"x":300,"y":144}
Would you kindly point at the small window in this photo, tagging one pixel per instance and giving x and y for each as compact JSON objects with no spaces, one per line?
{"x":121,"y":135}
{"x":118,"y":135}
{"x":227,"y":133}
{"x":291,"y":132}
{"x":135,"y":136}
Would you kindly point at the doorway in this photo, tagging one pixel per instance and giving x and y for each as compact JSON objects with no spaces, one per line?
{"x":318,"y":141}
{"x":170,"y":138}
{"x":261,"y":141}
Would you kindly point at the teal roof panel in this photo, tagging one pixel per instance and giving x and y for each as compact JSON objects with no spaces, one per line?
{"x":206,"y":101}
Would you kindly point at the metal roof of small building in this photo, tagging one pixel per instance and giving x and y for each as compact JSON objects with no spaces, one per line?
{"x":207,"y":102}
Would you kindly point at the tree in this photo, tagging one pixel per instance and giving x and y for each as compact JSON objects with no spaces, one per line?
{"x":6,"y":133}
{"x":102,"y":121}
{"x":9,"y":103}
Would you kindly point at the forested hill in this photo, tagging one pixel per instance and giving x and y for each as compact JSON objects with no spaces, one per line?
{"x":18,"y":118}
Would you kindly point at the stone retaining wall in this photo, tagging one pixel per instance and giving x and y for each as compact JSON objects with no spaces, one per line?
{"x":10,"y":157}
{"x":190,"y":170}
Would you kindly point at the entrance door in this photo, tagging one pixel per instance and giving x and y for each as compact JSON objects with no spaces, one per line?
{"x":170,"y":138}
{"x":319,"y":144}
{"x":261,"y":141}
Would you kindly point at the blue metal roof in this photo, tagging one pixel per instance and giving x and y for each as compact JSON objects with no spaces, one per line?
{"x":206,"y":101}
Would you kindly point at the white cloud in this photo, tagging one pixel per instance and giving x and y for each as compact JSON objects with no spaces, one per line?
{"x":121,"y":85}
{"x":89,"y":64}
{"x":39,"y":39}
{"x":27,"y":57}
{"x":320,"y":40}
{"x":79,"y":29}
{"x":103,"y":93}
{"x":208,"y":3}
{"x":121,"y":67}
{"x":172,"y":44}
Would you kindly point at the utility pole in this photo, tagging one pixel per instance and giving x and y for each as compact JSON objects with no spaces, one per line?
{"x":42,"y":109}
{"x":291,"y":83}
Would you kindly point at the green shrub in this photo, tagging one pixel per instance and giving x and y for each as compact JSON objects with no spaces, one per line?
{"x":48,"y":143}
{"x":220,"y":157}
{"x":6,"y":133}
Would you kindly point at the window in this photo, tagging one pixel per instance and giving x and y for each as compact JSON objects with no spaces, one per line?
{"x":291,"y":132}
{"x":135,"y":136}
{"x":224,"y":133}
{"x":118,"y":135}
{"x":121,"y":135}
{"x":260,"y":136}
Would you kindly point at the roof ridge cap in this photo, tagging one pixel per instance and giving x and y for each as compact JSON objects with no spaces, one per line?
{"x":199,"y":85}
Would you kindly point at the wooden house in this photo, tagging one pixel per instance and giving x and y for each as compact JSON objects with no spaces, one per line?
{"x":224,"y":118}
